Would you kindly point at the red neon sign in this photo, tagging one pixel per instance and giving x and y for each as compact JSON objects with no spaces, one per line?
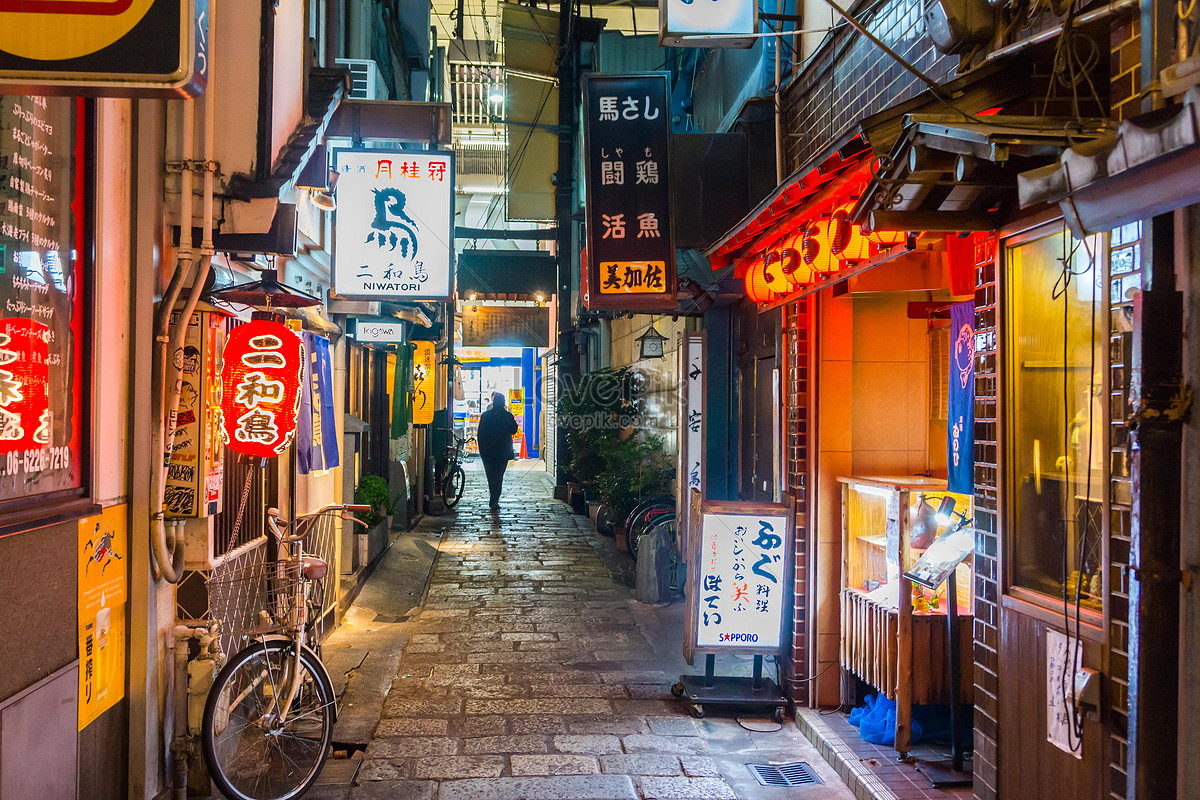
{"x":24,"y":385}
{"x":260,"y":387}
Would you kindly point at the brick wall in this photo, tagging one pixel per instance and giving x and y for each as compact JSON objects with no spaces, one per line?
{"x":795,"y":437}
{"x":987,"y":584}
{"x":853,"y":78}
{"x":1125,"y":71}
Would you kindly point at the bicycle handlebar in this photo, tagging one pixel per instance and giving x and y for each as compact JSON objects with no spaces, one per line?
{"x":274,"y":521}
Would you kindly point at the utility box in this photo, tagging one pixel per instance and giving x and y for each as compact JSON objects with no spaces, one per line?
{"x":197,"y":464}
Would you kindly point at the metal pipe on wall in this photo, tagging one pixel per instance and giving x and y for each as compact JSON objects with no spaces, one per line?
{"x":778,"y":103}
{"x":168,"y":555}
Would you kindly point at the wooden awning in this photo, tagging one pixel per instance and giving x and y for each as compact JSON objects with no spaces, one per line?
{"x":1148,"y":166}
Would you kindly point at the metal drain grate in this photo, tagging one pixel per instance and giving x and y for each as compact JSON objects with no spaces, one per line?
{"x":797,"y":773}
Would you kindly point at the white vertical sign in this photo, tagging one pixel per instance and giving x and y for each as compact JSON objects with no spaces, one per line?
{"x":394,"y":224}
{"x":741,"y":580}
{"x":695,"y":412}
{"x":1062,"y":655}
{"x":690,"y":464}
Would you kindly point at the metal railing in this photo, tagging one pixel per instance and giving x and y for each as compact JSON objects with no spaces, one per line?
{"x":477,"y":158}
{"x":473,"y":88}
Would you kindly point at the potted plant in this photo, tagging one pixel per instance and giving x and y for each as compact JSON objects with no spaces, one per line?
{"x":374,"y":491}
{"x":594,"y":410}
{"x":634,"y":467}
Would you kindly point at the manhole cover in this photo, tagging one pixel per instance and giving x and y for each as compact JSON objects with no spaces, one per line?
{"x":797,"y":773}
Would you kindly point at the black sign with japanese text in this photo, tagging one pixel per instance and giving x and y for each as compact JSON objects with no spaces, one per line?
{"x":631,"y":247}
{"x":43,"y":295}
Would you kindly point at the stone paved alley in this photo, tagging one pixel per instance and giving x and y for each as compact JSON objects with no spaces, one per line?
{"x":529,"y":672}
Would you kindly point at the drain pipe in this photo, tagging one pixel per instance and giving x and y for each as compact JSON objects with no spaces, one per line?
{"x":168,"y":555}
{"x":169,"y":551}
{"x":205,"y":663}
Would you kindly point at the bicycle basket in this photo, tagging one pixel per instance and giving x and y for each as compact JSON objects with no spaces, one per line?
{"x":254,"y":599}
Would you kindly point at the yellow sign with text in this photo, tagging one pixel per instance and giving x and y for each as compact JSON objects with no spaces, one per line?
{"x":103,"y":540}
{"x":424,"y":375}
{"x":633,"y":277}
{"x":52,"y":30}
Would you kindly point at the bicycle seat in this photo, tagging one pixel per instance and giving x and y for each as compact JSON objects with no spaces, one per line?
{"x":314,"y":568}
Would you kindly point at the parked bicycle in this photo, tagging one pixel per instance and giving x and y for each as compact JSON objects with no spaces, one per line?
{"x":454,"y":478}
{"x":652,"y":511}
{"x":268,"y":721}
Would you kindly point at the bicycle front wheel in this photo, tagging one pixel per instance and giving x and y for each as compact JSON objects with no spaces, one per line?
{"x":250,"y":754}
{"x":452,"y":491}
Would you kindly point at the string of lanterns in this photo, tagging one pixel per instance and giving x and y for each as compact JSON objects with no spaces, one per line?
{"x":819,"y":247}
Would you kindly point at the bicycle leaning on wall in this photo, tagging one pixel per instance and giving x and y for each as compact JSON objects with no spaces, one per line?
{"x":268,"y":721}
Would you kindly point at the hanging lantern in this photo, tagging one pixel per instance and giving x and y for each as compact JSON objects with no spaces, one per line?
{"x":816,"y":247}
{"x":846,"y":239}
{"x":260,"y":387}
{"x":773,"y":268}
{"x":886,"y":239}
{"x":798,"y":273}
{"x":24,"y":385}
{"x":757,"y":288}
{"x":651,"y":344}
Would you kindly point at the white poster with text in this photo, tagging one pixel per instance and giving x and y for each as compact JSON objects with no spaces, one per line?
{"x":394,"y":224}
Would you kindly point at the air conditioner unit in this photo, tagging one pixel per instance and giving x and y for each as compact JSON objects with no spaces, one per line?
{"x":365,"y":81}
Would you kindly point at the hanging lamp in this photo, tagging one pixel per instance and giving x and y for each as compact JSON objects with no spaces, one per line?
{"x":846,"y":239}
{"x":757,"y":288}
{"x":651,"y":343}
{"x":792,"y":252}
{"x":773,"y":269}
{"x":817,"y":254}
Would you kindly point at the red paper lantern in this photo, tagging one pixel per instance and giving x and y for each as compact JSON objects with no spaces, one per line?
{"x":846,"y":239}
{"x":773,"y":268}
{"x":798,"y":273}
{"x":757,"y":287}
{"x":24,"y":385}
{"x":886,"y":239}
{"x":260,"y":387}
{"x":816,"y":249}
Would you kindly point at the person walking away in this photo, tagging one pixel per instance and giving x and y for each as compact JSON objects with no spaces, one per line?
{"x":496,"y":428}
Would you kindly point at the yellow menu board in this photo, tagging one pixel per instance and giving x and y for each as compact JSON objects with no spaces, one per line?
{"x":103,"y":542}
{"x":424,"y":375}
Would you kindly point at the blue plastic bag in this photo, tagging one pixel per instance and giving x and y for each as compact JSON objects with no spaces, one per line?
{"x":876,"y":721}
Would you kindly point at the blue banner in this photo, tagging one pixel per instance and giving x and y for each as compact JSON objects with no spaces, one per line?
{"x":960,"y":427}
{"x":316,"y":430}
{"x":327,"y":424}
{"x":304,"y":421}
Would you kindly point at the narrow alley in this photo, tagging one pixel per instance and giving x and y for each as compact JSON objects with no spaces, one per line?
{"x":529,"y":672}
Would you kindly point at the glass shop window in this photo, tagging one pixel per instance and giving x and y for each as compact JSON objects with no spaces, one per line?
{"x":44,"y":302}
{"x":1056,"y":415}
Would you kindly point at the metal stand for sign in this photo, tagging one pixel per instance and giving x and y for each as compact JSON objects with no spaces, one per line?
{"x":729,"y":690}
{"x":943,"y":774}
{"x":711,"y":689}
{"x":937,"y":566}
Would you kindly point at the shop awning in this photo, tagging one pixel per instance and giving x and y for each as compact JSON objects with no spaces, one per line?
{"x":951,"y":172}
{"x":781,"y":211}
{"x":1148,"y":166}
{"x":326,"y":89}
{"x":844,"y":168}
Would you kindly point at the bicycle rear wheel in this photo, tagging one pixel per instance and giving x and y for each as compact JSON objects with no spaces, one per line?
{"x":249,"y":754}
{"x":452,"y":488}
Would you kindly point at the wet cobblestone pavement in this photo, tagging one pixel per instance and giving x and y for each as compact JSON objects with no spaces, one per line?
{"x":526,"y":674}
